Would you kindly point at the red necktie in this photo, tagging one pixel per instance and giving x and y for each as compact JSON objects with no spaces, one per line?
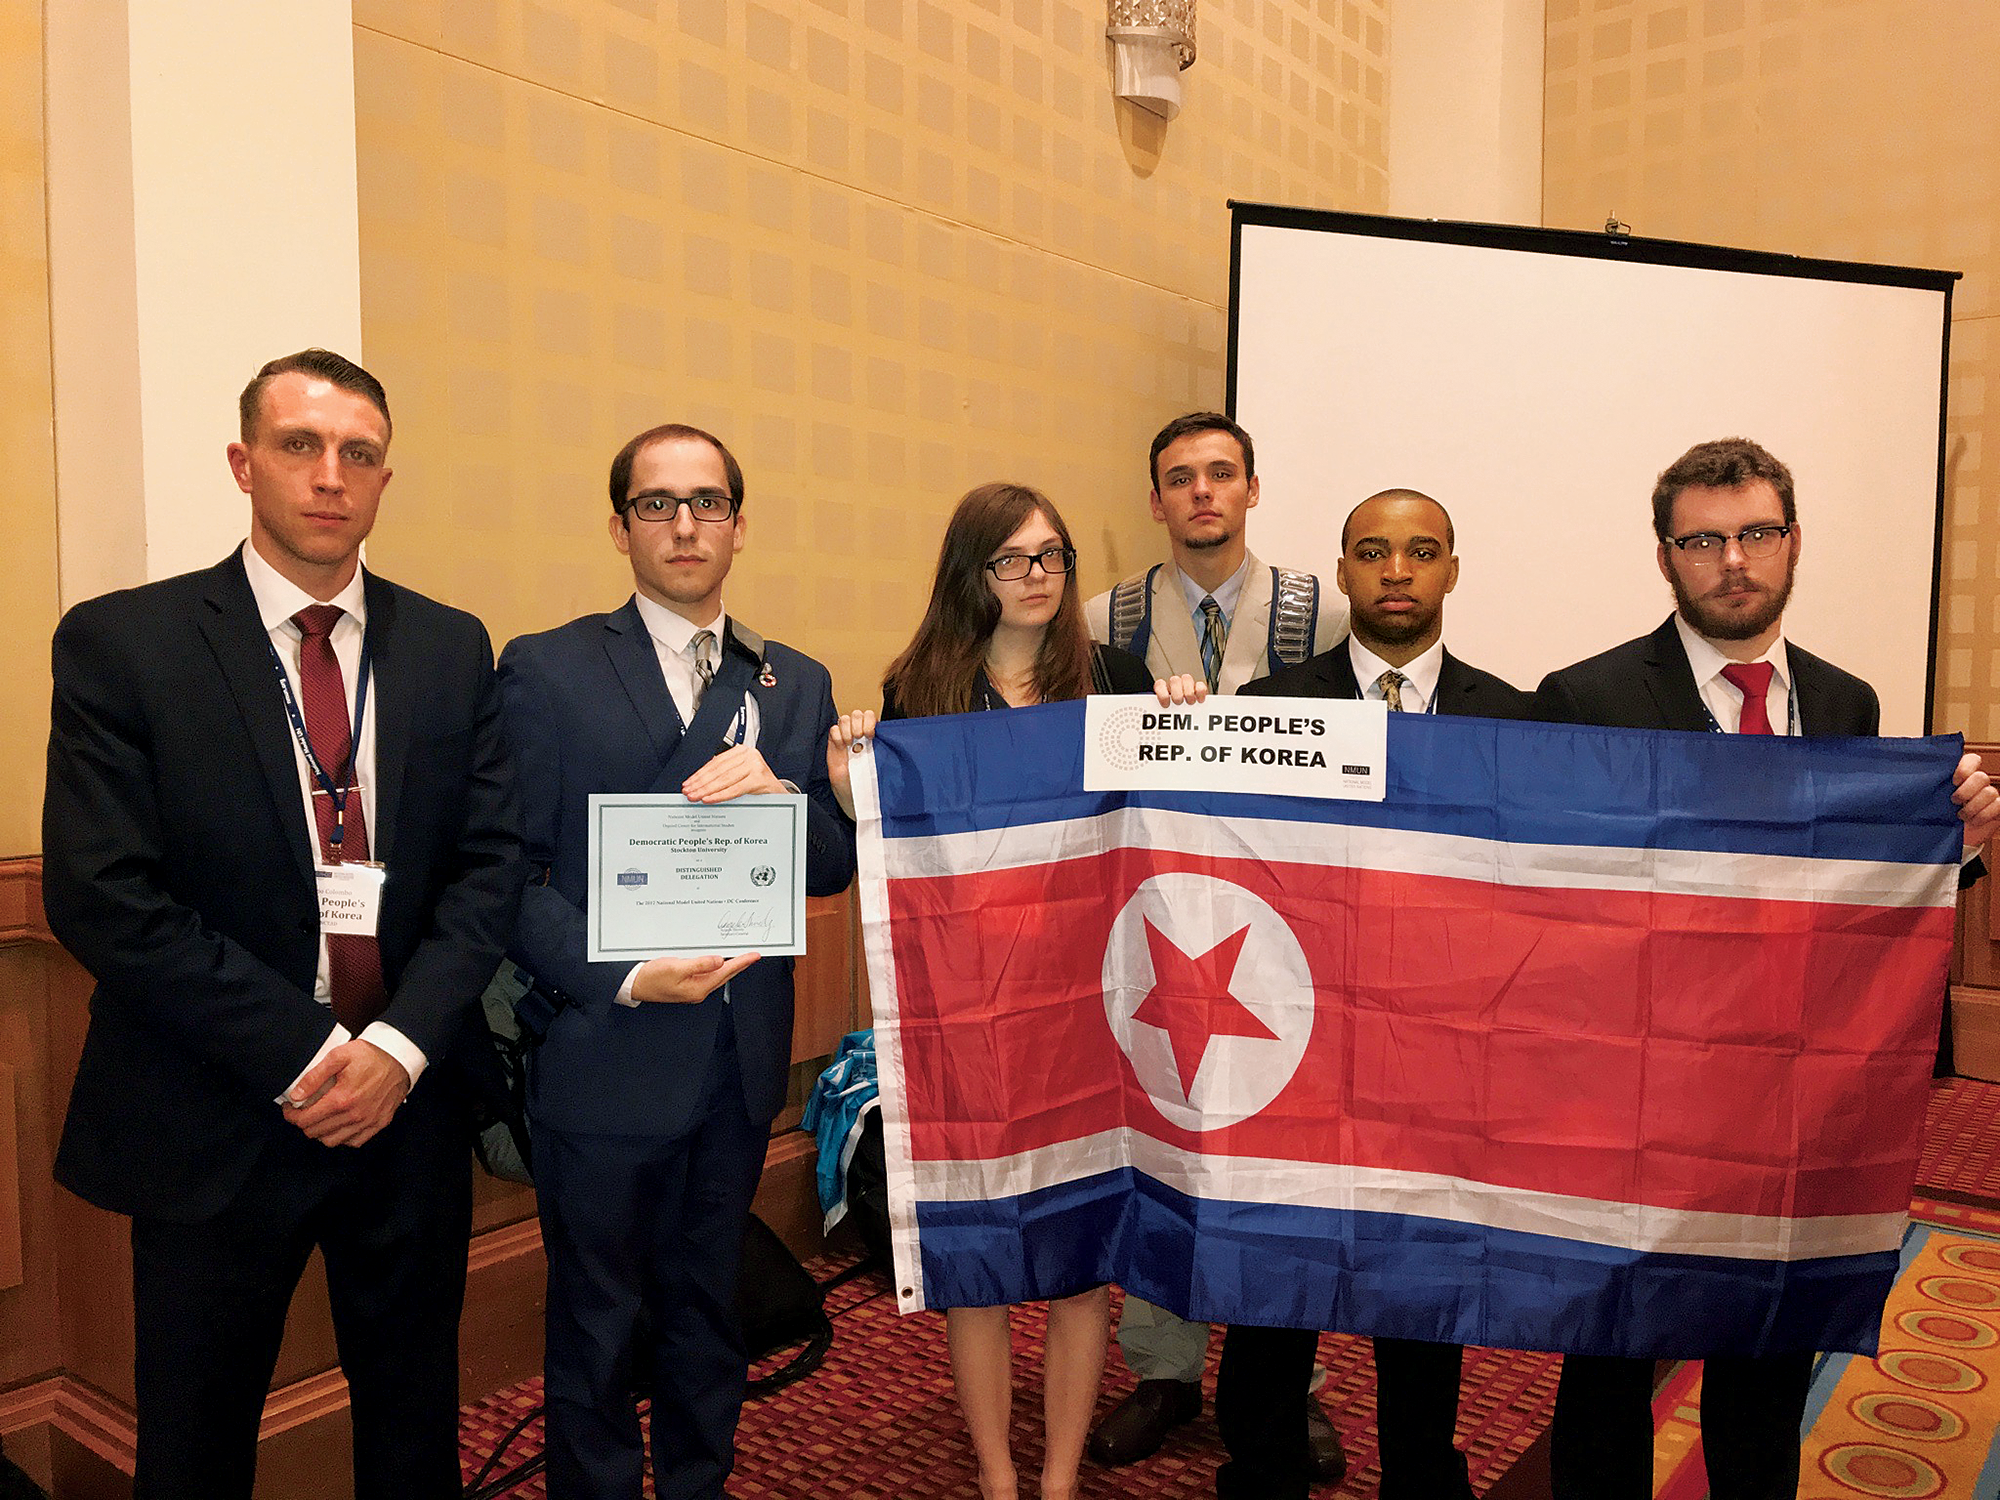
{"x":1753,"y":680}
{"x":353,"y":962}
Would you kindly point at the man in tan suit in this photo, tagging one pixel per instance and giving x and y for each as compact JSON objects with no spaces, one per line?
{"x":1215,"y":611}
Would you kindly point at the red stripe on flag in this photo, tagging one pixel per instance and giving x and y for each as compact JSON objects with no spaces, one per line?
{"x":1731,"y":1055}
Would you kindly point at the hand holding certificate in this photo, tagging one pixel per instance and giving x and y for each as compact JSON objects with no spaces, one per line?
{"x":670,"y":877}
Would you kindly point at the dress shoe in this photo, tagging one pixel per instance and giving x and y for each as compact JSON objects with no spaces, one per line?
{"x":1329,"y":1463}
{"x":1140,"y":1423}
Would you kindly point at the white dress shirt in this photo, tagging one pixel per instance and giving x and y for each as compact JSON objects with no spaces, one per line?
{"x":1723,"y":698}
{"x":278,"y":599}
{"x":673,"y":642}
{"x":1420,"y":675}
{"x":1225,"y":594}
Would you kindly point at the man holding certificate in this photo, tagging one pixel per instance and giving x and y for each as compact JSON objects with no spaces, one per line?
{"x":656,"y":897}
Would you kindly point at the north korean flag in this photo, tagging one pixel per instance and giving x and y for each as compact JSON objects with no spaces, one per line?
{"x":1583,"y":1039}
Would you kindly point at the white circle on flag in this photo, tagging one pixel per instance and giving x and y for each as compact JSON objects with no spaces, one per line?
{"x":1217,"y":1039}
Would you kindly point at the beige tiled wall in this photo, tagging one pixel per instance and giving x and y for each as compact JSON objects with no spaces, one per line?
{"x":28,"y":591}
{"x":886,"y":249}
{"x":1864,"y":130}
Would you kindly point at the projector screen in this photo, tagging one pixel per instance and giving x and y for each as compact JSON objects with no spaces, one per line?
{"x":1536,"y":381}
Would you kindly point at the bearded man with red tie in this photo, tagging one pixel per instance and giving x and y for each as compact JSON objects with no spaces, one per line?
{"x":1729,"y":543}
{"x":280,"y":833}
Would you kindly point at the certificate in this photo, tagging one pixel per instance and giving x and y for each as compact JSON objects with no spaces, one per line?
{"x":674,"y":877}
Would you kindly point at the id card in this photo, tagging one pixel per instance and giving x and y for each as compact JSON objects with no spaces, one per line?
{"x":350,"y":897}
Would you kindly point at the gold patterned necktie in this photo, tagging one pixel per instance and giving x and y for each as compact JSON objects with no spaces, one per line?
{"x":1391,"y":683}
{"x":1214,"y":639}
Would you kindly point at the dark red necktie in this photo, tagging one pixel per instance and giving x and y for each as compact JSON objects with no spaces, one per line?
{"x":1753,"y":680}
{"x":354,"y":962}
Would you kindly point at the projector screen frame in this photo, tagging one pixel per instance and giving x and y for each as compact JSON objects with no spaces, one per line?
{"x":1621,"y":247}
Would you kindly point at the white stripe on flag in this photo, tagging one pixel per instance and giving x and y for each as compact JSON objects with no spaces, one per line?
{"x":1255,"y":1180}
{"x":1768,"y":877}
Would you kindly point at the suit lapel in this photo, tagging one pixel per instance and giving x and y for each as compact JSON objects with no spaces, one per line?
{"x":235,"y":633}
{"x":397,"y":683}
{"x":1338,"y":668}
{"x":1450,"y":685}
{"x":1670,"y":680}
{"x":1172,"y":626}
{"x":1809,"y":694}
{"x":1249,"y":630}
{"x":637,"y":664}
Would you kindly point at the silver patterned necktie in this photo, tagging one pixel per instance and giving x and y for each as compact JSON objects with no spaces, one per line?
{"x":1214,"y":639}
{"x":704,"y":669}
{"x":1391,"y":683}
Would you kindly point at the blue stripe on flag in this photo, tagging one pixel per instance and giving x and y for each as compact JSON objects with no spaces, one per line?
{"x":1389,"y":1274}
{"x":1861,"y":799}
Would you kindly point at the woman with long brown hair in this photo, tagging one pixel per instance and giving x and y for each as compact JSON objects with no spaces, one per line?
{"x":1005,"y":629}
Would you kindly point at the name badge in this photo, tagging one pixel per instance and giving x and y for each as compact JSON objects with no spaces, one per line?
{"x":350,"y":897}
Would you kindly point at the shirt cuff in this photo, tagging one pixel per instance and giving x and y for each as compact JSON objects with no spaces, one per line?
{"x":398,"y":1046}
{"x":334,"y":1038}
{"x":624,"y":995}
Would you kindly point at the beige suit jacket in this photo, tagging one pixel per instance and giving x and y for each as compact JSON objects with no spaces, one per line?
{"x":1175,"y":648}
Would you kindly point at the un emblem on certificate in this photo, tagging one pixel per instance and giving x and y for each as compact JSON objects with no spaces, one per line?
{"x":763,"y":875}
{"x":1210,"y":997}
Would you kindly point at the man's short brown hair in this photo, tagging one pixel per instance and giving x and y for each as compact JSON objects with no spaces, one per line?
{"x":667,"y":432}
{"x":1725,"y":464}
{"x":336,"y":369}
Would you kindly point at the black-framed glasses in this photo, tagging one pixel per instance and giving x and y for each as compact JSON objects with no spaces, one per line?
{"x":1708,"y":546}
{"x":664,"y":505}
{"x":1017,"y":565}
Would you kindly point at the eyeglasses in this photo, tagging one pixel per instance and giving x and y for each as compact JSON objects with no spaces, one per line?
{"x":1704,"y":548}
{"x":1016,"y":565}
{"x":663,"y":505}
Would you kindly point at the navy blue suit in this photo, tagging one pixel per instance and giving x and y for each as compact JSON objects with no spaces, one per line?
{"x":649,"y":1122}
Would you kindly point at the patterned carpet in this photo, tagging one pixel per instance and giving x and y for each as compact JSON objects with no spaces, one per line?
{"x":877,"y":1420}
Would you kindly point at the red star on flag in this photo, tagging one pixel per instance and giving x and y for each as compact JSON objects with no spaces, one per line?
{"x":1190,"y":1000}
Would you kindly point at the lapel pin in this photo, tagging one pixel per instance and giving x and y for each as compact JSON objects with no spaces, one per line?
{"x":766,"y":678}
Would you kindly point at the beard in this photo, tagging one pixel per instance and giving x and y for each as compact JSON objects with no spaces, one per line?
{"x":1392,"y":630}
{"x":1721,"y":624}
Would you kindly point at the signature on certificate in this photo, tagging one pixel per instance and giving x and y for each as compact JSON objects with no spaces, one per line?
{"x":748,"y":927}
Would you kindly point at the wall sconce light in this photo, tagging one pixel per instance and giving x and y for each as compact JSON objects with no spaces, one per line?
{"x":1152,"y":41}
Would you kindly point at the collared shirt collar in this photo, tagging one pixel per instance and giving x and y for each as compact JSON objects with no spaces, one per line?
{"x":674,"y":631}
{"x":278,"y":598}
{"x":1421,"y":673}
{"x":1225,"y":593}
{"x":1707,"y":662}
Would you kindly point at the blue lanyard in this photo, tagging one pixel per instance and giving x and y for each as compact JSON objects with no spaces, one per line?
{"x":336,"y":793}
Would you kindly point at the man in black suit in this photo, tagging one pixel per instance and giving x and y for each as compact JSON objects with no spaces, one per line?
{"x":1396,"y":565}
{"x":291,"y":894}
{"x":1728,"y":545}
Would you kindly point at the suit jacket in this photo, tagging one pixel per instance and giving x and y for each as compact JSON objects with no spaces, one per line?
{"x":588,"y":711}
{"x":178,"y":869}
{"x":1174,"y":647}
{"x":1648,"y":684}
{"x":1460,"y":689}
